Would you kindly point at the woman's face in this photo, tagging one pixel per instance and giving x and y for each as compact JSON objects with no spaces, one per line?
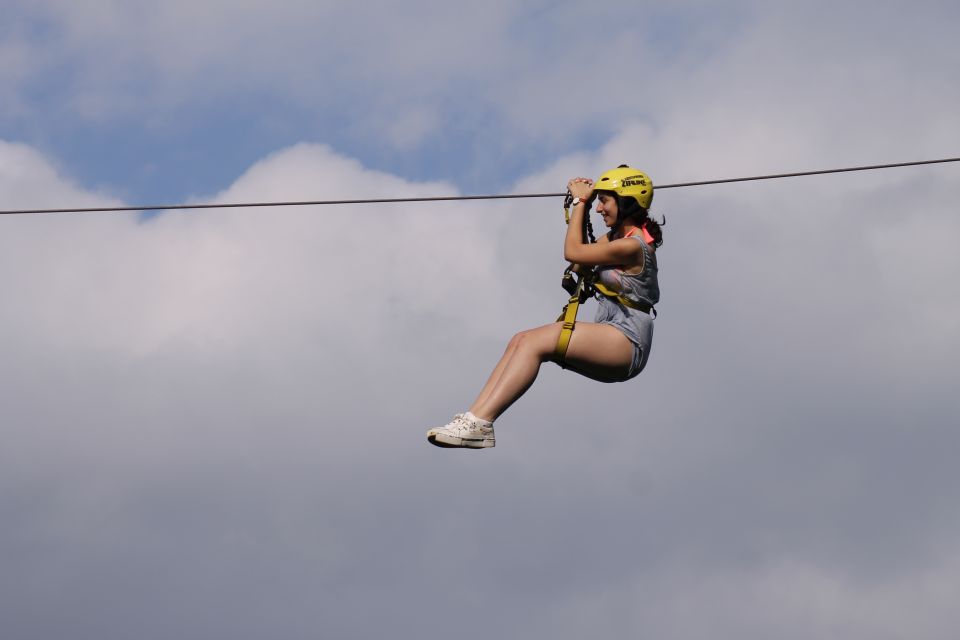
{"x":607,"y":207}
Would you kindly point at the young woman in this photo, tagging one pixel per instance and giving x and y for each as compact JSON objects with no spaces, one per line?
{"x":616,"y":346}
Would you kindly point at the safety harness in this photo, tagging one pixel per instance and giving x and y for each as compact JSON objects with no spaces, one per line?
{"x":581,"y":283}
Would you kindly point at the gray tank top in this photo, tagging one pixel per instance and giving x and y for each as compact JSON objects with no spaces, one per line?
{"x":640,"y":287}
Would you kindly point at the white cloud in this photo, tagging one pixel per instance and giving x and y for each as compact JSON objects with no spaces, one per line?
{"x":29,"y":181}
{"x":218,"y":276}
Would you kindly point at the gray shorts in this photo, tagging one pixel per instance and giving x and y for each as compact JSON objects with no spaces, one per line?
{"x":636,"y":325}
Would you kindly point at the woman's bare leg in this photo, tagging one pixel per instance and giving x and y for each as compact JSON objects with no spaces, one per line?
{"x":596,"y":350}
{"x":497,"y":372}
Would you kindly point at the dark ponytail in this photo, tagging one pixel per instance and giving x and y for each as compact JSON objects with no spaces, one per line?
{"x":629,"y":207}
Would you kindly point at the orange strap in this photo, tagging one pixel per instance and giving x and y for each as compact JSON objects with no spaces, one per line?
{"x":643,"y":229}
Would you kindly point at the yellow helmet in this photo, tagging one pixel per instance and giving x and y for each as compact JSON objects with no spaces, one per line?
{"x":626,"y":181}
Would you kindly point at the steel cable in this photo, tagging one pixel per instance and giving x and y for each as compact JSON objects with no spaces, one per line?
{"x":303,"y":203}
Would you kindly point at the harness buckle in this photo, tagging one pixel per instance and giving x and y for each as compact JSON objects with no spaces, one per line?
{"x":569,"y":283}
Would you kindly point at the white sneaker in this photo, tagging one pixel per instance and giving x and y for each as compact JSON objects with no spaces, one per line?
{"x":462,"y":432}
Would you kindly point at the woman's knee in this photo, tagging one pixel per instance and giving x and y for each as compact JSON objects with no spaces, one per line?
{"x":539,"y":342}
{"x":516,"y":340}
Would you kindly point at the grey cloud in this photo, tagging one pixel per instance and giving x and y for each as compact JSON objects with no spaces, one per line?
{"x":227,"y":416}
{"x":213,"y":422}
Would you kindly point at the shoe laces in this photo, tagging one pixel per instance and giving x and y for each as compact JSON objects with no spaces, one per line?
{"x":461,"y":423}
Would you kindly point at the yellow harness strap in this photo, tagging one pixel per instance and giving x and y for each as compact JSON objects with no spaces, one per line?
{"x":625,"y":301}
{"x":569,"y":318}
{"x":569,"y":314}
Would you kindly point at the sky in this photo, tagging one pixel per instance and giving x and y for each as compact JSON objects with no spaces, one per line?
{"x":213,"y":421}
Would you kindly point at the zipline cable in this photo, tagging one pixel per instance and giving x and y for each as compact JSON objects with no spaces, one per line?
{"x":235,"y":205}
